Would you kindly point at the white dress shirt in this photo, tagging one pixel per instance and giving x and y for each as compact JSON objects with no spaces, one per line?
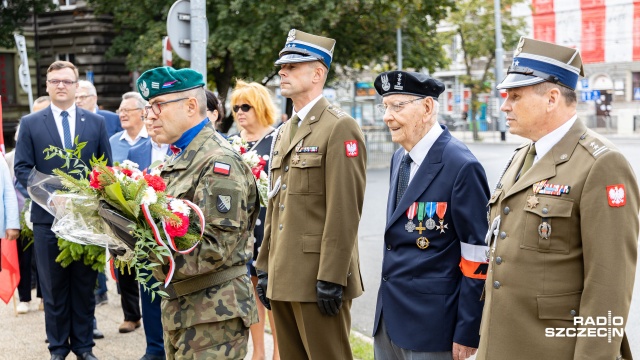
{"x":545,"y":143}
{"x":158,"y":151}
{"x":58,"y":118}
{"x":142,"y":134}
{"x":305,"y":110}
{"x":421,"y":149}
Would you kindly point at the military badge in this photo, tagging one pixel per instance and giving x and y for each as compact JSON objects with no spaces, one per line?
{"x":308,"y":149}
{"x":143,"y":88}
{"x":292,"y":35}
{"x":544,"y":230}
{"x":398,"y":85}
{"x":532,"y":201}
{"x":351,"y":148}
{"x":422,"y":242}
{"x":616,"y":195}
{"x":224,"y":203}
{"x":385,"y":82}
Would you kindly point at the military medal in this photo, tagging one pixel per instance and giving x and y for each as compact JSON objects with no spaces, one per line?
{"x":421,"y":213}
{"x":431,"y":210}
{"x":295,"y":159}
{"x":411,"y":213}
{"x":544,"y":230}
{"x":532,"y":201}
{"x":441,"y":209}
{"x":422,"y":242}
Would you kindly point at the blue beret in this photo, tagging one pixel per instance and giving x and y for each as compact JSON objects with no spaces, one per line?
{"x":537,"y":61}
{"x":167,"y":80}
{"x":409,"y":83}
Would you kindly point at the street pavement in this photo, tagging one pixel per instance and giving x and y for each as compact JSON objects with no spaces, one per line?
{"x":22,"y":336}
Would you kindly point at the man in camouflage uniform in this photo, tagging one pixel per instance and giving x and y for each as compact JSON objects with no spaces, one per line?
{"x":211,"y":303}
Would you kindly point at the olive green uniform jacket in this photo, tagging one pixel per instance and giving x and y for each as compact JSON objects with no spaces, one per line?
{"x":225,"y":242}
{"x":311,"y":227}
{"x":570,"y":255}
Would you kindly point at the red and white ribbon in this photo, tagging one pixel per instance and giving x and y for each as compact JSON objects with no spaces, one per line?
{"x":158,"y":238}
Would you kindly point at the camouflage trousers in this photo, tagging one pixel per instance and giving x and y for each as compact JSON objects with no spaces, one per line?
{"x":219,"y":340}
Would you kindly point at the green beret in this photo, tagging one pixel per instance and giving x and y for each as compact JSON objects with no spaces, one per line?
{"x":167,"y":80}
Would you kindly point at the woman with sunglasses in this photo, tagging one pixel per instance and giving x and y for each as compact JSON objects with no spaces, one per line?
{"x":254,"y":113}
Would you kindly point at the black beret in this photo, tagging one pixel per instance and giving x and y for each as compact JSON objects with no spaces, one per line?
{"x":409,"y":83}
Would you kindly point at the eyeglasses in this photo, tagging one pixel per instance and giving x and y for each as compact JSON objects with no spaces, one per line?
{"x":155,"y":107}
{"x":127,"y":111}
{"x":396,"y":108}
{"x":244,"y":107}
{"x":83,"y":97}
{"x":56,"y":82}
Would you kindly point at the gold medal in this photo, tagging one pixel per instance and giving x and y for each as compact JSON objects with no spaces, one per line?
{"x":422,"y":242}
{"x":295,"y":159}
{"x":532,"y":201}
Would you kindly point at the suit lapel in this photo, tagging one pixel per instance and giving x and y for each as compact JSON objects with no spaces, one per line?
{"x":80,"y":125}
{"x":50,"y":124}
{"x":428,"y":171}
{"x":545,"y":168}
{"x":309,"y":120}
{"x":393,"y":190}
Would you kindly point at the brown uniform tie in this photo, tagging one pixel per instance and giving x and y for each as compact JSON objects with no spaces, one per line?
{"x":528,"y":161}
{"x":294,"y":127}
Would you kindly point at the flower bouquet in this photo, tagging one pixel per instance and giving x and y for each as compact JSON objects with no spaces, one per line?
{"x":255,"y":162}
{"x":120,"y":208}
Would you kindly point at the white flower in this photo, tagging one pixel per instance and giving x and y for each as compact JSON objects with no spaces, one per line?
{"x":128,"y":164}
{"x":149,"y":197}
{"x":251,"y":158}
{"x":119,"y":175}
{"x":263,"y":176}
{"x":155,"y":171}
{"x":237,"y":143}
{"x":179,"y":206}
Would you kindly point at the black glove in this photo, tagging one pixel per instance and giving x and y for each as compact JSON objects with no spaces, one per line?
{"x":261,"y":288}
{"x":329,"y":297}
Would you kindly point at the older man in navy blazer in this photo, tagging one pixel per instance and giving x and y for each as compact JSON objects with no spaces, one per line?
{"x":69,"y":302}
{"x":435,"y":257}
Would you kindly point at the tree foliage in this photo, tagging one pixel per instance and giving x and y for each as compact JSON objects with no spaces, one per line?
{"x":245,"y":36}
{"x":15,"y":14}
{"x":474,"y":23}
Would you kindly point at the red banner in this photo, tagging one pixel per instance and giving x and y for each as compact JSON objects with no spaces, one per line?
{"x":593,"y":27}
{"x":10,"y":274}
{"x":636,"y":30}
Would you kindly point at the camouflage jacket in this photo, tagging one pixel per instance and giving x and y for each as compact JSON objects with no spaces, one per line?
{"x":213,"y":176}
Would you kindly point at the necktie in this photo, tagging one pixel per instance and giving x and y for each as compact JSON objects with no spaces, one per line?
{"x":403,"y":177}
{"x":528,"y":161}
{"x":294,"y":127}
{"x":67,"y":130}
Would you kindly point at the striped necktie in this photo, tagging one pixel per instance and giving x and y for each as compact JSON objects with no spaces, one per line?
{"x":68,"y":144}
{"x":403,"y":177}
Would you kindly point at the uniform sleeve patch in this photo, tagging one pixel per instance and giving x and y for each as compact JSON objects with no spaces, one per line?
{"x":221,"y":168}
{"x":351,"y":148}
{"x":616,"y":195}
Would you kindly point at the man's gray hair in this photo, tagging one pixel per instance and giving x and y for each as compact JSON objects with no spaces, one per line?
{"x":140,"y":101}
{"x":201,"y":98}
{"x":84,"y":84}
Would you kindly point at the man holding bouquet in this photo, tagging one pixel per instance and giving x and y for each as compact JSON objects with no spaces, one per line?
{"x":211,"y":303}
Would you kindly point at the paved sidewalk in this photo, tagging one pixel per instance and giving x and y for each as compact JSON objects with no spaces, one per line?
{"x":22,"y":337}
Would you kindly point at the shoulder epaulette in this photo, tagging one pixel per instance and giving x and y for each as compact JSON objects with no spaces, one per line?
{"x":336,"y":111}
{"x":594,"y":145}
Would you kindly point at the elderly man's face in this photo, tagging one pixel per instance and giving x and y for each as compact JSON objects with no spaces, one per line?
{"x":85,"y":100}
{"x":525,"y":112}
{"x":172,"y":120}
{"x":407,"y":123}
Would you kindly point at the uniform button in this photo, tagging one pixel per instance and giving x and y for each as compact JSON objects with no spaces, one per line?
{"x":281,"y":207}
{"x":304,"y":163}
{"x":496,"y":284}
{"x":388,"y":247}
{"x":503,"y":235}
{"x":545,"y":211}
{"x":284,"y":186}
{"x":275,"y":152}
{"x":384,"y":278}
{"x":498,"y":260}
{"x":280,"y":226}
{"x":506,"y":210}
{"x":573,"y":312}
{"x":286,"y":168}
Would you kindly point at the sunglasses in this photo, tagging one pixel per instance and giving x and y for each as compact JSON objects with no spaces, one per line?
{"x":244,"y":107}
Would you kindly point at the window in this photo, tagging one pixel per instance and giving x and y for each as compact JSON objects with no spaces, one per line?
{"x":66,"y":4}
{"x":636,"y":86}
{"x":7,"y":79}
{"x":67,"y":57}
